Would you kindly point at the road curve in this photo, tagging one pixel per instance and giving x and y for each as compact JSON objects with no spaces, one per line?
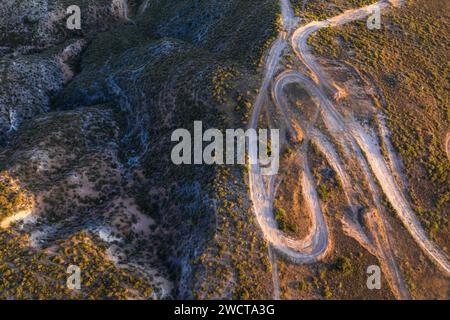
{"x":347,"y":132}
{"x":315,"y":244}
{"x":306,"y":250}
{"x":380,"y":247}
{"x":364,"y":140}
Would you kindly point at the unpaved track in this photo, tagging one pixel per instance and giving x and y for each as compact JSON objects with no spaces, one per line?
{"x":364,"y":140}
{"x":299,"y":42}
{"x":315,"y":244}
{"x":381,"y":246}
{"x":275,"y":279}
{"x":353,"y":131}
{"x":354,"y":139}
{"x":396,"y":196}
{"x":396,"y":164}
{"x":306,"y":250}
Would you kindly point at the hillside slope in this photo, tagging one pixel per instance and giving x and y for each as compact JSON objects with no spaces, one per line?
{"x":91,"y":143}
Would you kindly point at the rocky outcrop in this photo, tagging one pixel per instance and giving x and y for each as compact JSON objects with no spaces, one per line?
{"x":28,"y":26}
{"x":38,"y":52}
{"x":28,"y":83}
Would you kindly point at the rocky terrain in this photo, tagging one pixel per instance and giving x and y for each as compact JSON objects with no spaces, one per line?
{"x":86,"y":120}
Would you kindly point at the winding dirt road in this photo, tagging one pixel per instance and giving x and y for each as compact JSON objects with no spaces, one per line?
{"x":315,"y":245}
{"x":358,"y":142}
